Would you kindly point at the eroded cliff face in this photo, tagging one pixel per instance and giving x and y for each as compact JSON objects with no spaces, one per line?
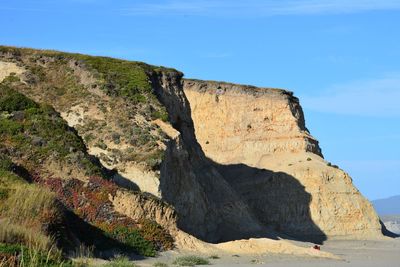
{"x":207,"y":205}
{"x":237,"y":162}
{"x":258,"y":139}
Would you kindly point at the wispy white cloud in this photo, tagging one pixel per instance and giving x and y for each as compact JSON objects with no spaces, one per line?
{"x":259,"y":7}
{"x":378,"y":97}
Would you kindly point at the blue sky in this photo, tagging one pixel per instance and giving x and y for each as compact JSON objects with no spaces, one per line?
{"x":340,"y":57}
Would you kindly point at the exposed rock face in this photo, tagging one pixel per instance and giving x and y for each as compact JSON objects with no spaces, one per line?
{"x":242,"y":116}
{"x":207,"y":205}
{"x":259,"y":140}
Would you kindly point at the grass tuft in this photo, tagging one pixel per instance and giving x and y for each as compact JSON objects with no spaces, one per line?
{"x":120,"y":261}
{"x":190,"y":260}
{"x":160,"y":264}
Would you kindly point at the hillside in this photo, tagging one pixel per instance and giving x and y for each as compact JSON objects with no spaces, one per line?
{"x":128,"y":158}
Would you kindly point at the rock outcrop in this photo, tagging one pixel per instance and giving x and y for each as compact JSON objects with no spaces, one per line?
{"x":258,"y":139}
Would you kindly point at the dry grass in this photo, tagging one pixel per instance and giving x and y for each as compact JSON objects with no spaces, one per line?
{"x":29,"y":204}
{"x":12,"y":233}
{"x":24,"y":213}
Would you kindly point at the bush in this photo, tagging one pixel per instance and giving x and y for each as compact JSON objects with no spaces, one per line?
{"x":153,"y":232}
{"x":134,"y":239}
{"x":120,"y":262}
{"x":191,"y":261}
{"x":121,"y":78}
{"x":162,"y":115}
{"x":5,"y":162}
{"x":101,"y":144}
{"x":10,"y":127}
{"x":10,"y":100}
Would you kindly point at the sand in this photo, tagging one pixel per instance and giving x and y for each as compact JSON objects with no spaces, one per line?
{"x":380,"y":253}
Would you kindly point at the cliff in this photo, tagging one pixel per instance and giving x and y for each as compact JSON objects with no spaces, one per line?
{"x":136,"y":146}
{"x":259,"y":139}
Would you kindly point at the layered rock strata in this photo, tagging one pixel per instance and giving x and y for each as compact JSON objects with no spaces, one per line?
{"x":258,"y":139}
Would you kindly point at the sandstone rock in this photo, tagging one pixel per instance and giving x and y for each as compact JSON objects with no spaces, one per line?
{"x":258,"y":139}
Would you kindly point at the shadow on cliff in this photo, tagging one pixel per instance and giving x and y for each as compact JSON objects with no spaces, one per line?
{"x":277,"y":199}
{"x":218,"y":203}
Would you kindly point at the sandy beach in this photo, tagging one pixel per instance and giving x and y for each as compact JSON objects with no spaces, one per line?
{"x":383,"y":253}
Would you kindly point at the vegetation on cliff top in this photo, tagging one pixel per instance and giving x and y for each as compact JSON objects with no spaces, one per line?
{"x":123,"y":118}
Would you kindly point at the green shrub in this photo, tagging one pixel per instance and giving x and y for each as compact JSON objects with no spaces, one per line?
{"x":11,"y":79}
{"x":101,"y":144}
{"x":10,"y":127}
{"x":134,"y":239}
{"x":153,"y":232}
{"x":155,"y":158}
{"x":160,"y":114}
{"x":10,"y":100}
{"x":121,"y":78}
{"x":191,"y":261}
{"x":5,"y":162}
{"x":160,"y":264}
